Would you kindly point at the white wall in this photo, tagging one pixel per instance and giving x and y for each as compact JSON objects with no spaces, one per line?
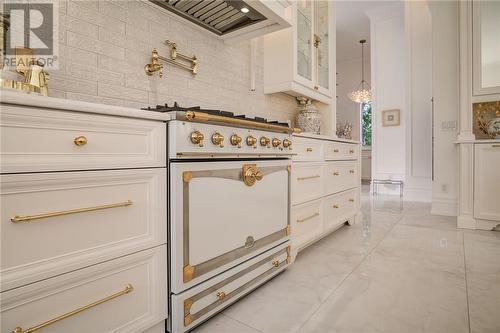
{"x":348,"y":79}
{"x":389,"y":90}
{"x":418,"y":26}
{"x":401,"y":79}
{"x":104,"y":46}
{"x":445,"y":83}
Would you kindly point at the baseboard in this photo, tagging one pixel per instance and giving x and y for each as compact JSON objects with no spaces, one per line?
{"x":466,"y":222}
{"x":444,"y":206}
{"x":417,"y":194}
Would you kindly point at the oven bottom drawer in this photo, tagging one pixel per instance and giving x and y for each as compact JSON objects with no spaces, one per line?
{"x":122,"y":295}
{"x":197,"y":304}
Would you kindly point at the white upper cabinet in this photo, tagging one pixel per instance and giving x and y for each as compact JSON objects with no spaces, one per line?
{"x":300,"y":60}
{"x":486,"y":47}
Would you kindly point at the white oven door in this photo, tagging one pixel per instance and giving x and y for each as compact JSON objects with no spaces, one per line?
{"x":223,"y":213}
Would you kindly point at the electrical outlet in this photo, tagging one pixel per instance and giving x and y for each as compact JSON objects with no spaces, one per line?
{"x":444,"y":188}
{"x":450,"y":125}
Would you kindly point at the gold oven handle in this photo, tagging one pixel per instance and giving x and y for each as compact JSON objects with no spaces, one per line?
{"x":309,"y":177}
{"x":307,"y":218}
{"x":129,"y":288}
{"x":29,"y":218}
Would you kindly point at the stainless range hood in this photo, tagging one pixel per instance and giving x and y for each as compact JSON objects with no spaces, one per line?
{"x":231,"y":19}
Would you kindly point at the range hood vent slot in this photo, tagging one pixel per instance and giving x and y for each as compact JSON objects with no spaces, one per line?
{"x":218,"y":16}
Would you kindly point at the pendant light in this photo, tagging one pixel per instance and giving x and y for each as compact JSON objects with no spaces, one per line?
{"x":362,"y":94}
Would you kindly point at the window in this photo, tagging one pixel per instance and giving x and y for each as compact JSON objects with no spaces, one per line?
{"x":366,"y":124}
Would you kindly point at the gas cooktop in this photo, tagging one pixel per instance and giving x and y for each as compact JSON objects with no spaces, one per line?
{"x":218,"y":113}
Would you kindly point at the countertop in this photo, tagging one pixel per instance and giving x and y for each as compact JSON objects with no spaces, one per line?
{"x":34,"y":100}
{"x":478,"y":141}
{"x":324,"y":137}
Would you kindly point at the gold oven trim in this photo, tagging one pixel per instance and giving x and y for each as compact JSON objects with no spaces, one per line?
{"x":192,"y":271}
{"x":210,"y":118}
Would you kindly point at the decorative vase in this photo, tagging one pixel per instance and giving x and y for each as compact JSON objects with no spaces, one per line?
{"x":309,"y":118}
{"x":493,"y":128}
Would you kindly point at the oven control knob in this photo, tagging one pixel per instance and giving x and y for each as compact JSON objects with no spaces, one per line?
{"x":287,"y":144}
{"x":251,"y":141}
{"x":265,"y":141}
{"x":197,"y":138}
{"x":218,"y":139}
{"x":235,"y":140}
{"x":276,"y":142}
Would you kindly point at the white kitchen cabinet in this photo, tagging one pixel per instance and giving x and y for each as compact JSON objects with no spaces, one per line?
{"x":300,"y":60}
{"x":86,"y":195}
{"x":325,"y":187}
{"x":487,"y":182}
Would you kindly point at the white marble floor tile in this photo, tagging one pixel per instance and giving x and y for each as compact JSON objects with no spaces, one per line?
{"x":395,"y":297}
{"x":279,"y":306}
{"x":223,"y":324}
{"x":401,"y":271}
{"x":482,"y":253}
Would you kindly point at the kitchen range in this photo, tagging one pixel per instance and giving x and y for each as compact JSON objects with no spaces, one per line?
{"x":229,"y":228}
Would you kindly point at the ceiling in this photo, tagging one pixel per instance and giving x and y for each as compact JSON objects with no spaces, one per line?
{"x":353,"y":25}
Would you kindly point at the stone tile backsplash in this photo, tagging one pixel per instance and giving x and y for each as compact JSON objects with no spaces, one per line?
{"x":105,"y":44}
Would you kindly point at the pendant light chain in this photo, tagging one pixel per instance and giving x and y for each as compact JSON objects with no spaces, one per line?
{"x":362,"y":95}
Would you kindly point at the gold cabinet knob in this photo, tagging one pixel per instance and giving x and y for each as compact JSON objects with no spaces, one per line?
{"x":335,"y":206}
{"x":80,"y":141}
{"x":287,"y":143}
{"x":265,"y":141}
{"x":197,"y":138}
{"x":218,"y":139}
{"x":251,"y":141}
{"x":335,"y":150}
{"x":309,"y":150}
{"x":276,"y":263}
{"x":221,"y":295}
{"x":235,"y":140}
{"x":351,"y":151}
{"x":336,"y":173}
{"x":276,"y":142}
{"x":351,"y":200}
{"x":351,"y":171}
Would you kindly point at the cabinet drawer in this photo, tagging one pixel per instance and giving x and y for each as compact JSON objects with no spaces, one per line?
{"x":340,"y":176}
{"x":67,"y":220}
{"x":340,"y":207}
{"x":43,"y":140}
{"x":341,"y":151}
{"x":306,"y":222}
{"x":307,"y":149}
{"x":197,"y":304}
{"x":122,"y":295}
{"x":307,"y":182}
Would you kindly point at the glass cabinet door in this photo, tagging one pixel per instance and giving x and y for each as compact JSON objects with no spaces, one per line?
{"x":304,"y":34}
{"x":322,"y":45}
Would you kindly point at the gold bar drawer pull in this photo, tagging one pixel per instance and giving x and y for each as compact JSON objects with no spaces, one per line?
{"x":29,"y":218}
{"x":129,"y":288}
{"x":309,"y":177}
{"x":307,"y":218}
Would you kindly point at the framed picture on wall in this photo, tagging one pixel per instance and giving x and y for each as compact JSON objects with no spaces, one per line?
{"x":390,"y":117}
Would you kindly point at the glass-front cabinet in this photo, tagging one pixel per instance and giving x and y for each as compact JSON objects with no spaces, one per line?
{"x":300,"y":60}
{"x":486,"y":47}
